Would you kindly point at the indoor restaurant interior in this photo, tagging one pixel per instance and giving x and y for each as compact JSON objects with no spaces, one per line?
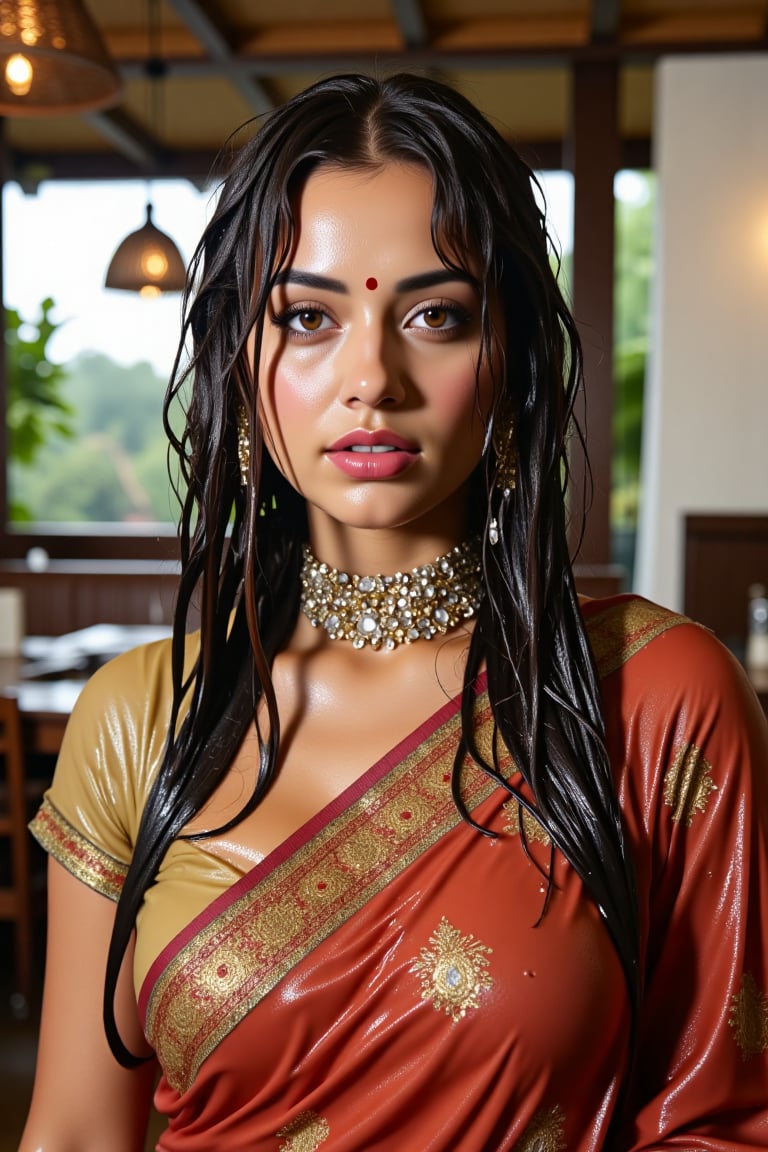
{"x":645,"y":121}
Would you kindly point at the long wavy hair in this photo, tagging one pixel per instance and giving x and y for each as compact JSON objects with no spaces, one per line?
{"x":241,"y":545}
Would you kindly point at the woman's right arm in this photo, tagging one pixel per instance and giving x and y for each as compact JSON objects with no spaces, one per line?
{"x":83,"y":1100}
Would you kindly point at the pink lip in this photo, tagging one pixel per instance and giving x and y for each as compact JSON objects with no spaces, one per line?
{"x":362,"y":465}
{"x":382,"y":437}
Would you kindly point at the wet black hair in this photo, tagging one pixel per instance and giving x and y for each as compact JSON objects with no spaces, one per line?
{"x":241,"y":545}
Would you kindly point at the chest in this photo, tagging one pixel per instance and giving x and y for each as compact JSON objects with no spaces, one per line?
{"x":337,"y":719}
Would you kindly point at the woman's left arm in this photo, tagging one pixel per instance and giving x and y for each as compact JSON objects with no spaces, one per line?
{"x":701,"y":1075}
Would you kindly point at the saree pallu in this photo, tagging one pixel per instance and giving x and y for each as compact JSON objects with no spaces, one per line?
{"x":379,"y":986}
{"x":390,"y":978}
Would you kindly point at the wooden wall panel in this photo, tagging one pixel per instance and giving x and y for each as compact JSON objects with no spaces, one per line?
{"x":67,"y":597}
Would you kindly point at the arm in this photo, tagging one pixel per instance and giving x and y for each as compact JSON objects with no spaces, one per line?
{"x":701,"y":1077}
{"x":83,"y":1100}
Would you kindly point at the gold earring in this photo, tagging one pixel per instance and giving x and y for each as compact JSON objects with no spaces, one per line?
{"x":243,"y":446}
{"x":504,"y":447}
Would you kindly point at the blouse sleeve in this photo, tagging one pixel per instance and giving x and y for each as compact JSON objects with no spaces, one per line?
{"x":111,"y":750}
{"x":695,"y":794}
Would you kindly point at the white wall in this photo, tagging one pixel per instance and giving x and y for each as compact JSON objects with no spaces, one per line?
{"x":706,"y":420}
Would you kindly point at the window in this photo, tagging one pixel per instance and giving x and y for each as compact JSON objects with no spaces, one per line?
{"x":635,"y":193}
{"x":88,"y":366}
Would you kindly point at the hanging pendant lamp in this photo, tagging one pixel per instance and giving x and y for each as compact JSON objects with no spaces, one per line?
{"x":52,"y":60}
{"x":147,"y":262}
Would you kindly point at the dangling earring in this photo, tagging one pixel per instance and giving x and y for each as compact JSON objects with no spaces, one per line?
{"x":503,"y":439}
{"x":243,"y":446}
{"x":504,"y":447}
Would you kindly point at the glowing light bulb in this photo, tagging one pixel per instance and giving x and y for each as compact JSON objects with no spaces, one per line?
{"x":154,"y":264}
{"x":18,"y":74}
{"x":149,"y":290}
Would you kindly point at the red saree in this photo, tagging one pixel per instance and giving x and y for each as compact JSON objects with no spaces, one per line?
{"x":385,"y":979}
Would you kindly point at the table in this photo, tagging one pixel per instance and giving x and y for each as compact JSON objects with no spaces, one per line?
{"x":49,"y":674}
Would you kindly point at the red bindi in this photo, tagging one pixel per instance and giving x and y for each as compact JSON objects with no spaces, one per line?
{"x":372,"y":283}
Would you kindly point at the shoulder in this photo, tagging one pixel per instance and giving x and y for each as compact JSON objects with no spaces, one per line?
{"x":136,"y":681}
{"x":626,"y":629}
{"x":663,"y":672}
{"x":126,"y":686}
{"x":120,"y":721}
{"x":620,"y":627}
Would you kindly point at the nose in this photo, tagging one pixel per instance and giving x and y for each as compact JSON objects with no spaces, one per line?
{"x":371,"y":375}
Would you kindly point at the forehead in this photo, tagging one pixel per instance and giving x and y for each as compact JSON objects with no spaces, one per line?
{"x":341,"y":213}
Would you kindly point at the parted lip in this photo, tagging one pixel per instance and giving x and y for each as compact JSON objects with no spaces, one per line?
{"x":368,"y":439}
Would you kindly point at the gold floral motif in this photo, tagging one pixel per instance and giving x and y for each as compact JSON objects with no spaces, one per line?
{"x":687,"y":784}
{"x":363,"y":850}
{"x":544,"y":1133}
{"x":277,"y":925}
{"x":534,"y":832}
{"x":305,"y":1133}
{"x":453,"y":974}
{"x":405,"y":815}
{"x":749,"y":1017}
{"x":437,"y":778}
{"x":323,"y":886}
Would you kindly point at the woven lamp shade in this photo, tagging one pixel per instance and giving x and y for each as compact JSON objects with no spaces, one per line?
{"x":147,"y":262}
{"x":52,"y":59}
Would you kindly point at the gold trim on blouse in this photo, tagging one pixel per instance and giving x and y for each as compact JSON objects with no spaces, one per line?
{"x":77,"y":854}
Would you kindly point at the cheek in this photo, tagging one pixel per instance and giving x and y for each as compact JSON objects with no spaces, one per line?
{"x":463,"y":402}
{"x":291,"y":392}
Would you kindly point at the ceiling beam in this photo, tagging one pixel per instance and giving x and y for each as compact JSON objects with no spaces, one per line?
{"x":410,"y":20}
{"x":204,"y":167}
{"x":201,"y":167}
{"x":127,"y":137}
{"x":494,"y":59}
{"x":216,"y":42}
{"x":606,"y":18}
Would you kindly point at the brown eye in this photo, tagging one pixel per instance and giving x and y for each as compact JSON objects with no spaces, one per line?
{"x":310,"y":320}
{"x":435,"y":317}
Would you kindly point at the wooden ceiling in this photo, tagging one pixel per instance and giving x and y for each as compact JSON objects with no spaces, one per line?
{"x":228,"y":61}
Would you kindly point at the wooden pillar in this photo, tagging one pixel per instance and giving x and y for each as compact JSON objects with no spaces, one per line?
{"x":3,"y":361}
{"x":593,"y":155}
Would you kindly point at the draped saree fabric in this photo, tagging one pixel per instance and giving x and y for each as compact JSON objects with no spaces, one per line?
{"x":391,"y":978}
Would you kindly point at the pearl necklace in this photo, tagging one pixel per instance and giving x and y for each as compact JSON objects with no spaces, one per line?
{"x":384,"y":611}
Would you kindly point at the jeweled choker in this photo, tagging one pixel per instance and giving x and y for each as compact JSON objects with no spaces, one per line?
{"x":384,"y":611}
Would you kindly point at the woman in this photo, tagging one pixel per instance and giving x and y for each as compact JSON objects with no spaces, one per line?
{"x":408,"y":853}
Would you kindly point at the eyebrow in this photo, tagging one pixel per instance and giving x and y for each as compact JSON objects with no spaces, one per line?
{"x":432,"y":279}
{"x":311,"y":280}
{"x":408,"y":284}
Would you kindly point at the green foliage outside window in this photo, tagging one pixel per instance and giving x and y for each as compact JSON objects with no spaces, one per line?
{"x":634,"y":273}
{"x":37,"y":414}
{"x":112,"y":466}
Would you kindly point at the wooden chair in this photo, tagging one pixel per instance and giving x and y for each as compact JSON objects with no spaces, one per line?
{"x":16,"y":896}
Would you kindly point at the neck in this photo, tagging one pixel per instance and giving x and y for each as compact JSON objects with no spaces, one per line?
{"x":386,"y":549}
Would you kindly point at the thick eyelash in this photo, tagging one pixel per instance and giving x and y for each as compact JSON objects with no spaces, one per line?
{"x":283,"y":319}
{"x":459,"y":314}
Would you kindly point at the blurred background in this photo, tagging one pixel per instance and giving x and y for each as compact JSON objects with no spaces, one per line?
{"x":645,"y":121}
